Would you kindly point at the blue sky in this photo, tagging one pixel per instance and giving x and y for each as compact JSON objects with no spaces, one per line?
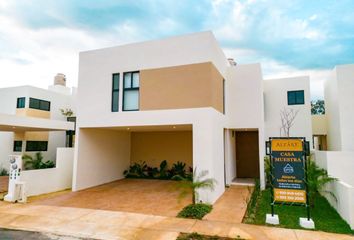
{"x":39,"y":38}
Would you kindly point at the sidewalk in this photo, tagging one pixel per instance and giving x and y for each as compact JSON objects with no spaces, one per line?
{"x":101,"y":224}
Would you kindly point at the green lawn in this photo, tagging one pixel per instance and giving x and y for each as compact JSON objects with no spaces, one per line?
{"x":325,"y":217}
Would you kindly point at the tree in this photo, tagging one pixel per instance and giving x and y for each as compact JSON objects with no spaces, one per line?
{"x":287,"y":117}
{"x":318,"y":107}
{"x":198,"y":181}
{"x":67,"y":112}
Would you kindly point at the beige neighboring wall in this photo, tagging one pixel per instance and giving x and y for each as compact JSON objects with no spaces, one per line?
{"x":154,"y":147}
{"x":32,"y":136}
{"x":29,"y":112}
{"x":187,"y":86}
{"x":319,"y":126}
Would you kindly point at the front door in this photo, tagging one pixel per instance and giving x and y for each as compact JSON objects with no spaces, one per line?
{"x":247,"y":154}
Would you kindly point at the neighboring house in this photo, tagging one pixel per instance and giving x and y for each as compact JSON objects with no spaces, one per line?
{"x":337,"y":127}
{"x":339,"y":100}
{"x":28,"y":104}
{"x":179,"y":99}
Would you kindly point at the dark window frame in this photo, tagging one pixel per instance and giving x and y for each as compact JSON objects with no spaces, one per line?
{"x":300,"y":101}
{"x":15,"y":148}
{"x":38,"y":147}
{"x":40,"y":103}
{"x":115,"y":91}
{"x":21,"y":102}
{"x":131,"y":88}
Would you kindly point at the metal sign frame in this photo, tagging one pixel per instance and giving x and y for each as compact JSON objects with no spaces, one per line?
{"x":305,"y":154}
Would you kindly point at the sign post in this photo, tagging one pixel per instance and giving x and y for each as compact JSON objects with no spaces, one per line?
{"x":288,"y":174}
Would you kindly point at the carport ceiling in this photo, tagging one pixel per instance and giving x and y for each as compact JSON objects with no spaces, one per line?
{"x":159,"y":128}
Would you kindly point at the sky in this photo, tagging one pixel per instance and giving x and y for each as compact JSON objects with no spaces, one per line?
{"x":40,"y":38}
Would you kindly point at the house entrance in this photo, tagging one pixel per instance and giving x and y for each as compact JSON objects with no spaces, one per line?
{"x":247,"y":154}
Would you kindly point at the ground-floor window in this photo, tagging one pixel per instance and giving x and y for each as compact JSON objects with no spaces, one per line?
{"x":36,"y":146}
{"x":17,"y":146}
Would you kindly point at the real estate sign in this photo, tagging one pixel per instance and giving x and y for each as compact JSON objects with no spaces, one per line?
{"x":288,"y":169}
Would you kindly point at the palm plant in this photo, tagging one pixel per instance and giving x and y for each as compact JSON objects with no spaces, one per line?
{"x":36,"y":162}
{"x":317,"y":179}
{"x":186,"y":185}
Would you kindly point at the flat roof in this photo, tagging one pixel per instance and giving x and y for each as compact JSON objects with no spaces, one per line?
{"x":13,"y":123}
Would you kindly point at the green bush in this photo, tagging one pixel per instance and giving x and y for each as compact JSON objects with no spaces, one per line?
{"x":195,"y":211}
{"x":142,"y":170}
{"x":37,"y":162}
{"x":4,"y":172}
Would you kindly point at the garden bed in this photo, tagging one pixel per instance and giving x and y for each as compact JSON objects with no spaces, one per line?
{"x":323,"y":214}
{"x":196,"y":236}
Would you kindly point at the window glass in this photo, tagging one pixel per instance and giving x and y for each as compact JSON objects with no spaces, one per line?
{"x":39,"y":104}
{"x":115,"y":101}
{"x":36,"y":146}
{"x":296,"y":97}
{"x":21,"y":102}
{"x":300,"y":97}
{"x":34,"y":103}
{"x":131,"y":100}
{"x":17,"y":146}
{"x":135,"y":83}
{"x":115,"y":93}
{"x":44,"y":105}
{"x":115,"y":81}
{"x":127,"y":80}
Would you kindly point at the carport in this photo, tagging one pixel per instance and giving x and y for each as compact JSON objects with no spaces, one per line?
{"x":103,"y":155}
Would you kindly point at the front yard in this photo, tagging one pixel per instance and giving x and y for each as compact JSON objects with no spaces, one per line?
{"x":323,"y":214}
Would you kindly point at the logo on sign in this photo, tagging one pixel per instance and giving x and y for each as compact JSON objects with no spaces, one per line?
{"x":288,"y":169}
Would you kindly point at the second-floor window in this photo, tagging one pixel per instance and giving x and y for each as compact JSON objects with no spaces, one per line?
{"x":115,"y":92}
{"x":39,"y":104}
{"x":21,"y":102}
{"x":296,"y":97}
{"x":131,"y":91}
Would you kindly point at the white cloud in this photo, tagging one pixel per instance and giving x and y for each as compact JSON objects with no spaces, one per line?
{"x":33,"y":57}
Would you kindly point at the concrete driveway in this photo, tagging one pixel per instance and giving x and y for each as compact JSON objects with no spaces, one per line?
{"x":158,"y":197}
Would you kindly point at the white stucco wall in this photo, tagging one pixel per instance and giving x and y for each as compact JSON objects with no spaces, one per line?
{"x":43,"y":181}
{"x":339,"y":100}
{"x":339,"y":164}
{"x":345,"y":78}
{"x":101,"y":156}
{"x":275,"y":93}
{"x":334,"y":139}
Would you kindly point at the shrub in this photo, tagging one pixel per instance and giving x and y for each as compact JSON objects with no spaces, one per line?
{"x":36,"y":162}
{"x":178,"y":168}
{"x":137,"y":170}
{"x":4,"y":172}
{"x":195,"y":211}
